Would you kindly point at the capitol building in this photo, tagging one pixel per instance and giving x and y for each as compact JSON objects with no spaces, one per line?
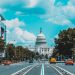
{"x":41,"y":45}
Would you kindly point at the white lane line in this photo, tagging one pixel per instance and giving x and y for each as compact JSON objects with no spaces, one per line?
{"x":56,"y":70}
{"x":29,"y":70}
{"x":21,"y":70}
{"x":42,"y":69}
{"x":38,"y":66}
{"x":48,"y":66}
{"x":65,"y":70}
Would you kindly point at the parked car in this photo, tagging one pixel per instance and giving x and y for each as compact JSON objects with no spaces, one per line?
{"x":6,"y":62}
{"x":69,"y":62}
{"x":30,"y":61}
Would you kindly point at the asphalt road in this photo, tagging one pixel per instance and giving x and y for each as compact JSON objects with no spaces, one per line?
{"x":35,"y":69}
{"x":70,"y":68}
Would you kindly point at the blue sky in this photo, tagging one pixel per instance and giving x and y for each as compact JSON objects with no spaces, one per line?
{"x":25,"y":17}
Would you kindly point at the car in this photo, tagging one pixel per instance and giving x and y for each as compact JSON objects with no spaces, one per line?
{"x":6,"y":62}
{"x":52,"y":60}
{"x":69,"y":62}
{"x":30,"y":61}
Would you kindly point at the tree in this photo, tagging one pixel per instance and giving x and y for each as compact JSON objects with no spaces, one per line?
{"x":10,"y":51}
{"x":2,"y":44}
{"x":22,"y":53}
{"x":65,"y":42}
{"x":46,"y":56}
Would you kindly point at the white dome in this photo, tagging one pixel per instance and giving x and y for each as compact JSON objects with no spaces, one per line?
{"x":41,"y":38}
{"x":41,"y":35}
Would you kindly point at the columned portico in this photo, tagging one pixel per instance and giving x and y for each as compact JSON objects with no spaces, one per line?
{"x":41,"y":44}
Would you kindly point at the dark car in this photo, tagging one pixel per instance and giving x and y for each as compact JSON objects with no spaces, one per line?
{"x":31,"y":61}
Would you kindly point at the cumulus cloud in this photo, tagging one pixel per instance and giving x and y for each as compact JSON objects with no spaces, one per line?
{"x":59,"y":15}
{"x":14,"y":32}
{"x":27,"y":3}
{"x":20,"y":36}
{"x":18,"y":13}
{"x":69,"y":10}
{"x":13,"y":23}
{"x":2,"y":10}
{"x":31,"y":3}
{"x":24,"y":34}
{"x":59,"y":20}
{"x":10,"y":2}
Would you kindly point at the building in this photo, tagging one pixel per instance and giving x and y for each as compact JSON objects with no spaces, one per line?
{"x":2,"y":29}
{"x":41,"y":45}
{"x":2,"y":34}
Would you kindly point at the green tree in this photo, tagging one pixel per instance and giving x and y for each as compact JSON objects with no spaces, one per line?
{"x":2,"y":44}
{"x":65,"y":42}
{"x":10,"y":51}
{"x":46,"y":56}
{"x":22,"y":53}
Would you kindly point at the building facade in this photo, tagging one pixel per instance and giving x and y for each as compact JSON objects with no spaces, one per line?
{"x":2,"y":35}
{"x":41,"y":45}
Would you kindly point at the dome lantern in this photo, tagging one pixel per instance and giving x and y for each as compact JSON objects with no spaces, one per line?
{"x":41,"y":37}
{"x":40,"y":30}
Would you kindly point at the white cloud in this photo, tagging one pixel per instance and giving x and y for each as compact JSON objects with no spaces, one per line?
{"x":20,"y":36}
{"x":24,"y":34}
{"x":30,"y":3}
{"x":2,"y":10}
{"x":8,"y":32}
{"x":59,"y":15}
{"x":72,"y":2}
{"x":18,"y":13}
{"x":27,"y":3}
{"x":14,"y":32}
{"x":69,"y":10}
{"x":13,"y":23}
{"x":10,"y":2}
{"x":59,"y":20}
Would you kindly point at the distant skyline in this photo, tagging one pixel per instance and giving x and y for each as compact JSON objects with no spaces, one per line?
{"x":25,"y":17}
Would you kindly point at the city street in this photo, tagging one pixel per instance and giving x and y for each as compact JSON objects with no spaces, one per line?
{"x":37,"y":37}
{"x":37,"y":69}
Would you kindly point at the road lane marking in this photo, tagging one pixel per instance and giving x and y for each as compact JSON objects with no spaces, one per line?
{"x":21,"y":70}
{"x":65,"y":70}
{"x":29,"y":70}
{"x":48,"y":66}
{"x":42,"y":69}
{"x":56,"y":70}
{"x":38,"y":66}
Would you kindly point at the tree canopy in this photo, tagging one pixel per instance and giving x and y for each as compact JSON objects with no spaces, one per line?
{"x":2,"y":43}
{"x":65,"y":42}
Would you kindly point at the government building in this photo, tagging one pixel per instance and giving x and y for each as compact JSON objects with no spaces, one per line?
{"x":41,"y":45}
